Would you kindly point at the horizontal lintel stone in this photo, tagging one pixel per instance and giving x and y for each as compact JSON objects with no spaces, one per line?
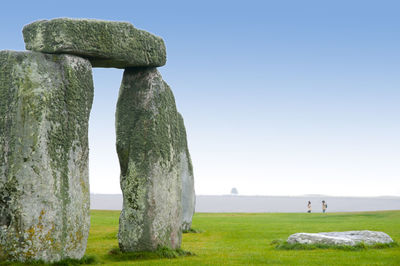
{"x":104,"y":43}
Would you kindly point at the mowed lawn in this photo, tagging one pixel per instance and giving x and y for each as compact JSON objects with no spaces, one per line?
{"x":245,"y":239}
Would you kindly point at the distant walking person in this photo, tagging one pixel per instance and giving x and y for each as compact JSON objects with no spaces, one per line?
{"x":309,"y":207}
{"x":324,"y":206}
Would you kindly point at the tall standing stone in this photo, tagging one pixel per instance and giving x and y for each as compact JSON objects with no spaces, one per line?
{"x":186,"y":168}
{"x":149,"y":146}
{"x":45,"y":102}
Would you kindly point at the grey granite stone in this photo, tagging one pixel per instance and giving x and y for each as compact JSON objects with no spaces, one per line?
{"x":104,"y":43}
{"x":45,"y":102}
{"x":149,"y":146}
{"x":186,"y":170}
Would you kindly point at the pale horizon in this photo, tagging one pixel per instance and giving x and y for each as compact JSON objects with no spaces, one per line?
{"x":259,"y":195}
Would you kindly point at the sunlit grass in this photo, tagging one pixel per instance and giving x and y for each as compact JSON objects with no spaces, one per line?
{"x":250,"y":239}
{"x":245,"y":238}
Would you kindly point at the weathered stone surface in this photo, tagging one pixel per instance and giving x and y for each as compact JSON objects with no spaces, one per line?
{"x":45,"y":102}
{"x":186,"y":170}
{"x":149,"y":144}
{"x":350,"y":238}
{"x":104,"y":43}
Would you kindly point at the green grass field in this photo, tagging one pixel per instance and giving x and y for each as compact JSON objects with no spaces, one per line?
{"x":245,"y":239}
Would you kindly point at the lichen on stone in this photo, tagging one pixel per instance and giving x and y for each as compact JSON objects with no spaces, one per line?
{"x":104,"y":43}
{"x":45,"y":101}
{"x":149,"y":144}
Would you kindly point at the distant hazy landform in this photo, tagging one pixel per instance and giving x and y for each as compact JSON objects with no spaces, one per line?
{"x":236,"y":203}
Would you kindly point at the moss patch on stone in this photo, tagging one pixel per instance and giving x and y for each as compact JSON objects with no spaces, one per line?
{"x":45,"y":102}
{"x":104,"y":43}
{"x":149,"y":143}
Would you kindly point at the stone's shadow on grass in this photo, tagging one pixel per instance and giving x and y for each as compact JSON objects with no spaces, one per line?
{"x":284,"y":245}
{"x":161,"y":253}
{"x":110,"y":236}
{"x":192,"y":231}
{"x":86,"y":260}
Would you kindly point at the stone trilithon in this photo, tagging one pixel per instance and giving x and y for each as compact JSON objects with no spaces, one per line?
{"x":45,"y":101}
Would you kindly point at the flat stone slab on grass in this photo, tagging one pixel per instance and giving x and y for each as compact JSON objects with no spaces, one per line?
{"x":350,"y":238}
{"x":104,"y":43}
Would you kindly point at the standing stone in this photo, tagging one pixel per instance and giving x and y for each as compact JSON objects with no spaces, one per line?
{"x":104,"y":43}
{"x":186,"y":168}
{"x":45,"y":102}
{"x":149,"y":146}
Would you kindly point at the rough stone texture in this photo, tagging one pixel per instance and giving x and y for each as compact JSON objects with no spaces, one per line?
{"x":149,"y":146}
{"x":350,"y":238}
{"x":45,"y":102}
{"x":105,"y":43}
{"x":186,"y":168}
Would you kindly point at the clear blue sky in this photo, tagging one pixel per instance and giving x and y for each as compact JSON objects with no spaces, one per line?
{"x":279,"y":97}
